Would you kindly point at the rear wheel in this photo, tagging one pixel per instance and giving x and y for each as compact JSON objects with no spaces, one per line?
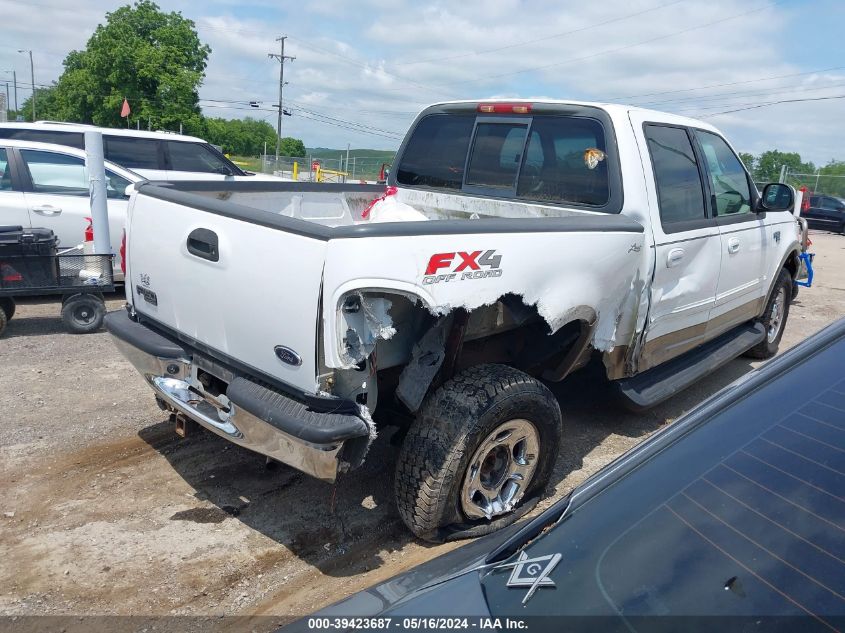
{"x":483,"y":445}
{"x":83,"y":313}
{"x":7,"y":305}
{"x":774,"y":317}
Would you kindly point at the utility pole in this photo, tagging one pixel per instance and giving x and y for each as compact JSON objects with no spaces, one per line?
{"x":32,"y":78}
{"x":15,"y":84}
{"x":282,"y":58}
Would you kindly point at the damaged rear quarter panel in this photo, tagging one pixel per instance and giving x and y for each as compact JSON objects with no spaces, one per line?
{"x":560,"y":273}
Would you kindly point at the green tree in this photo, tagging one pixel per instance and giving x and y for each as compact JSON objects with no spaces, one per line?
{"x":154,"y":59}
{"x":45,"y":105}
{"x":769,"y":164}
{"x":832,"y":178}
{"x":291,"y":147}
{"x":748,"y":160}
{"x":244,"y":137}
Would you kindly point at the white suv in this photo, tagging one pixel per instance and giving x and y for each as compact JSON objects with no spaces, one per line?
{"x":46,"y":186}
{"x":153,"y":155}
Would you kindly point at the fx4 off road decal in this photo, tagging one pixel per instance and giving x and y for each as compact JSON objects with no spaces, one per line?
{"x":462,"y":265}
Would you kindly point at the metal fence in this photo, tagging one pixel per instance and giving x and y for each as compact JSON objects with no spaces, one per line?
{"x":817,"y":183}
{"x":311,"y":169}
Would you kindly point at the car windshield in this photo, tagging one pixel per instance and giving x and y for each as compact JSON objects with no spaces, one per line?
{"x":742,"y":516}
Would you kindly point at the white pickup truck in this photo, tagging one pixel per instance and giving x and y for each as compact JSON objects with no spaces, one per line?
{"x":515,"y":241}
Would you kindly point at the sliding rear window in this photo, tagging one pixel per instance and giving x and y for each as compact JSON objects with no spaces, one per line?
{"x":555,"y":159}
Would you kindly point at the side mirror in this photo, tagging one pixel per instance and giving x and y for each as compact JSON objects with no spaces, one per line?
{"x":776,"y":197}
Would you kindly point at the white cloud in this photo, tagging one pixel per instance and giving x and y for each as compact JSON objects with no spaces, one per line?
{"x":376,"y":64}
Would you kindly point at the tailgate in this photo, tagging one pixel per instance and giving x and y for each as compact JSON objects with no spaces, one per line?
{"x":239,"y":287}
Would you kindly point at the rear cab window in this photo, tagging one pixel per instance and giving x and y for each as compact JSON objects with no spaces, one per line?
{"x":551,"y":155}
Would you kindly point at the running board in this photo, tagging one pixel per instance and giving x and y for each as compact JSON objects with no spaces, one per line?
{"x":652,"y":387}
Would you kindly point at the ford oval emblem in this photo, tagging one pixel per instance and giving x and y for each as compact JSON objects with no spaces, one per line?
{"x":287,"y":355}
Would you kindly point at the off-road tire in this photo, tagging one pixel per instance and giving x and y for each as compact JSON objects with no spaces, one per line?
{"x":8,"y":306}
{"x":83,"y":313}
{"x":451,"y":425}
{"x":768,"y":348}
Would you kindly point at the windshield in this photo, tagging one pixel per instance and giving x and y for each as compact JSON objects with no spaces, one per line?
{"x":742,"y":516}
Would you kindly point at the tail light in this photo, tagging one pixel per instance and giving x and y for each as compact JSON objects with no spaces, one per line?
{"x":504,"y":108}
{"x":123,"y":253}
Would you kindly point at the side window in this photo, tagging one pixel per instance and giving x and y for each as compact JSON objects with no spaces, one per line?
{"x":496,"y":154}
{"x":831,"y":204}
{"x":116,"y":185}
{"x":679,"y":191}
{"x":52,"y":172}
{"x":133,"y":153}
{"x":565,"y":162}
{"x":71,"y":139}
{"x":728,"y":180}
{"x":5,"y":172}
{"x":195,"y":157}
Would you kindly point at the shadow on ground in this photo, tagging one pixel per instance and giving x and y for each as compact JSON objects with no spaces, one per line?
{"x":348,"y":527}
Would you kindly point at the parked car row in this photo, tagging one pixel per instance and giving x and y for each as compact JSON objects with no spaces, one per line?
{"x":44,"y":181}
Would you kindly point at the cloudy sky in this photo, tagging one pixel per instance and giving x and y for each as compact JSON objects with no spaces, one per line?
{"x":364,"y":69}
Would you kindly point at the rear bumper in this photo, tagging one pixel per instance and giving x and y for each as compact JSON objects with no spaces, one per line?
{"x":320,"y":444}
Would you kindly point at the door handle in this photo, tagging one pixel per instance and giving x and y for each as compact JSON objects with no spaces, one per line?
{"x":733,"y":245}
{"x":675,"y":256}
{"x":204,"y":244}
{"x":47,"y":209}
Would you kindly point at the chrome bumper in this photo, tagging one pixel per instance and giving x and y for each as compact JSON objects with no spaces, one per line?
{"x":175,"y":382}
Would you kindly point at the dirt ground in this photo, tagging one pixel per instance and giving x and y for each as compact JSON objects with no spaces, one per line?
{"x":104,"y":510}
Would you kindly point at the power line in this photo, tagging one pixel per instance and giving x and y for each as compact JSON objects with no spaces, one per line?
{"x":771,"y":103}
{"x":615,"y":50}
{"x":541,"y":39}
{"x":739,"y":94}
{"x":724,"y":85}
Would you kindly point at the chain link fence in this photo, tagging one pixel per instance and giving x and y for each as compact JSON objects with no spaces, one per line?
{"x":310,"y":169}
{"x":818,"y":183}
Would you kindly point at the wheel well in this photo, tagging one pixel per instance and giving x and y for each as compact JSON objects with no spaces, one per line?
{"x":791,"y":264}
{"x":507,"y":332}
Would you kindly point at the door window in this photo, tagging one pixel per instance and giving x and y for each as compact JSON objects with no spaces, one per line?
{"x":728,"y":180}
{"x":679,"y":192}
{"x":56,"y":173}
{"x":133,"y":153}
{"x":5,"y":172}
{"x":56,"y":137}
{"x":831,"y":204}
{"x":196,"y":157}
{"x":115,"y":185}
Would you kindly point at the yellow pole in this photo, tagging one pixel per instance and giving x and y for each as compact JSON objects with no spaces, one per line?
{"x":295,"y":170}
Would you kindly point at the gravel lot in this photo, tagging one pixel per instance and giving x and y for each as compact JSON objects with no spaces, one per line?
{"x":106,"y":511}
